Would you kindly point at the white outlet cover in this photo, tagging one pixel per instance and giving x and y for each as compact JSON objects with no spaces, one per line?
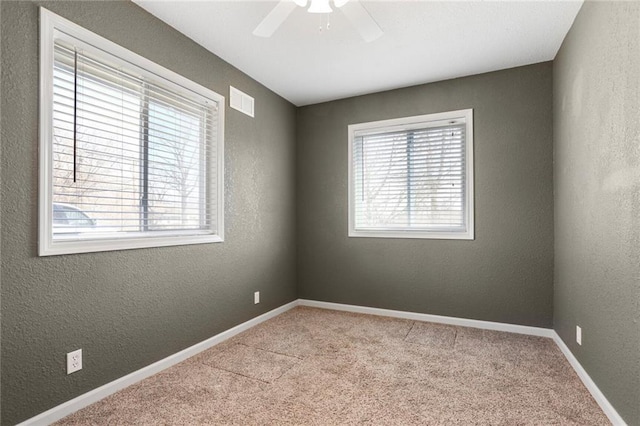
{"x":74,"y":361}
{"x":256,"y":297}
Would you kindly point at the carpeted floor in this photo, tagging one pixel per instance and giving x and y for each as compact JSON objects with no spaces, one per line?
{"x":320,"y":367}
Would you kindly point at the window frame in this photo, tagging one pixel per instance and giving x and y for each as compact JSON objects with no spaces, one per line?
{"x":53,"y":26}
{"x":415,"y":122}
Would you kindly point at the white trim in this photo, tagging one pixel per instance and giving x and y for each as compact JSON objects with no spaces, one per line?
{"x":406,"y":123}
{"x":591,"y":386}
{"x":47,"y":28}
{"x":71,"y":406}
{"x":54,"y":27}
{"x":415,"y":316}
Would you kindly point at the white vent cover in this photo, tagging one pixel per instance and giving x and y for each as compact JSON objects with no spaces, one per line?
{"x":241,"y":101}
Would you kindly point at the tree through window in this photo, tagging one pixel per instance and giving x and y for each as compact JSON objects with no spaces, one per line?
{"x":412,"y":177}
{"x":138,"y":154}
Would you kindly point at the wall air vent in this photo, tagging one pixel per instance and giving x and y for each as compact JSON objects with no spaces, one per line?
{"x":241,"y":101}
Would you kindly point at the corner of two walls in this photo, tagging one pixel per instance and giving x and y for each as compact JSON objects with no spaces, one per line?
{"x":597,"y":198}
{"x":128,"y":309}
{"x":556,"y":243}
{"x":295,"y":173}
{"x":1,"y":138}
{"x":506,"y":273}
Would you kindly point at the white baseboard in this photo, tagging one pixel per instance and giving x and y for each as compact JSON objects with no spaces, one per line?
{"x":602,"y":401}
{"x":597,"y":394}
{"x":71,"y":406}
{"x":463,"y":322}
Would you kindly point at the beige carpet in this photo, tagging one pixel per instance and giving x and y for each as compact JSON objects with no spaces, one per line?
{"x":320,"y":367}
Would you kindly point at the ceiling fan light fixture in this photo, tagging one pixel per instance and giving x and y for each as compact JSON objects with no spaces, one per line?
{"x":301,"y":3}
{"x":340,"y":3}
{"x":320,"y":6}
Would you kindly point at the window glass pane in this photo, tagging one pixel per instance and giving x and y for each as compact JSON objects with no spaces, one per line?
{"x":437,"y":178}
{"x":176,"y":172}
{"x":107,"y":158}
{"x":410,"y":176}
{"x":383,"y":175}
{"x":131,"y":154}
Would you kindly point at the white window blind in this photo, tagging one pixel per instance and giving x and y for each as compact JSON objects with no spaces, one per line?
{"x":411,"y":177}
{"x":133,"y":156}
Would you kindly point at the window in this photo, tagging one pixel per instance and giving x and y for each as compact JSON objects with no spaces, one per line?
{"x":412,"y":177}
{"x":131,"y":154}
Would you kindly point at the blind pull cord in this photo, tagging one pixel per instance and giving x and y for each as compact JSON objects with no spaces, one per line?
{"x":75,"y":113}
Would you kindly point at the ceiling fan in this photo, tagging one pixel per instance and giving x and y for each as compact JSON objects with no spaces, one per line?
{"x":353,"y":10}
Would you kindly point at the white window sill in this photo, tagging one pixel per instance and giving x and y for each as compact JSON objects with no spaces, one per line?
{"x":432,"y":235}
{"x":57,"y":247}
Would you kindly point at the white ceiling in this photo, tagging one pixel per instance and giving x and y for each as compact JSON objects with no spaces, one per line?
{"x":423,"y":41}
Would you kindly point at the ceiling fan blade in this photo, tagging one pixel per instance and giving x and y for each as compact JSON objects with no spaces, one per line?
{"x":274,"y":19}
{"x":361,"y":20}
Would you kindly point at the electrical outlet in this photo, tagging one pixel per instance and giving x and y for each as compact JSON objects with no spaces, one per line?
{"x":256,"y":297}
{"x":74,"y":361}
{"x":579,"y":335}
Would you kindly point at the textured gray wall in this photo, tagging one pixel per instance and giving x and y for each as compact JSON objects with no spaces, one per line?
{"x":506,"y":274}
{"x":127,"y":309}
{"x":597,"y":198}
{"x":1,"y":138}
